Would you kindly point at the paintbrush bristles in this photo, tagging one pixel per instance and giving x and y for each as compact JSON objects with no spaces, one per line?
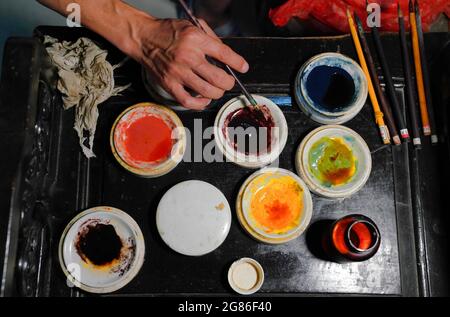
{"x":399,"y":10}
{"x":358,"y":23}
{"x":411,"y":6}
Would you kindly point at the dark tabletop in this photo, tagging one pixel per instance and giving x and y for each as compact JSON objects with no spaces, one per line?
{"x":52,"y":181}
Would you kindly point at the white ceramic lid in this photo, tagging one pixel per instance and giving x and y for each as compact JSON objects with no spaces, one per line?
{"x":96,"y":279}
{"x":246,"y":276}
{"x":193,"y":218}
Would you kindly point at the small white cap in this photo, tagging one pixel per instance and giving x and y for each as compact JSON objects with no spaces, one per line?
{"x":246,"y":276}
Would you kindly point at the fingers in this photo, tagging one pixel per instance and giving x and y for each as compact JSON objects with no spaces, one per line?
{"x":222,"y":52}
{"x":226,"y":55}
{"x":201,"y":86}
{"x":186,"y":100}
{"x":178,"y":62}
{"x":215,"y":75}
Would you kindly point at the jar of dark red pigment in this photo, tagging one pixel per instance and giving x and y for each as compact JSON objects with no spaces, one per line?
{"x":353,"y":238}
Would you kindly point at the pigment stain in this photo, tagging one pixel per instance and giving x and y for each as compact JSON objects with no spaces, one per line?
{"x":99,"y":244}
{"x":331,"y":161}
{"x":276,"y":205}
{"x":148,"y":139}
{"x":251,"y":129}
{"x":330,"y":87}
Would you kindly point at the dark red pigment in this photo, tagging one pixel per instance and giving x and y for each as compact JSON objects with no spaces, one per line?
{"x":99,"y":244}
{"x":256,"y":119}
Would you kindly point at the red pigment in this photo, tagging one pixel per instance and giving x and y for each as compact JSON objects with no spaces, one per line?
{"x":148,"y":139}
{"x":338,"y":235}
{"x":360,"y":235}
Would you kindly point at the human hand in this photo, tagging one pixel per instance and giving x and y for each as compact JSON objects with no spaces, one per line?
{"x":175,"y":53}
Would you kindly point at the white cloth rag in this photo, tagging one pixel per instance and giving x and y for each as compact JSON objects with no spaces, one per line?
{"x":86,"y":79}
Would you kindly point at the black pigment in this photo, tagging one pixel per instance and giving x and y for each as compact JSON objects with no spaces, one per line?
{"x":330,"y":87}
{"x":251,"y":119}
{"x":99,"y":243}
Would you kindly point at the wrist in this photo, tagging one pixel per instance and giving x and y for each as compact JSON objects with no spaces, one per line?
{"x":139,"y":26}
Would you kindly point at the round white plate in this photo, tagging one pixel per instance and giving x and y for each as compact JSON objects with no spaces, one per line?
{"x":193,"y":218}
{"x":95,"y":279}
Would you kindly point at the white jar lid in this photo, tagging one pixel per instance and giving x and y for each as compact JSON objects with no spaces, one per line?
{"x":193,"y":218}
{"x":246,"y":276}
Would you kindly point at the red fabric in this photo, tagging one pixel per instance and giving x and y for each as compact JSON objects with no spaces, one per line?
{"x":333,"y":12}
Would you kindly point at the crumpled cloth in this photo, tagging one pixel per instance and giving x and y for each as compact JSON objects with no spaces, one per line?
{"x":86,"y":79}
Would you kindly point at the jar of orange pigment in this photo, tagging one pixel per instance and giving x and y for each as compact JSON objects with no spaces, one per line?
{"x":148,"y":140}
{"x":353,"y":238}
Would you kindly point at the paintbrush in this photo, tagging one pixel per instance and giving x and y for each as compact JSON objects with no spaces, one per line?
{"x":390,"y":89}
{"x":419,"y":76}
{"x":383,"y":102}
{"x":409,"y":82}
{"x":384,"y":132}
{"x":194,"y":21}
{"x":426,"y":76}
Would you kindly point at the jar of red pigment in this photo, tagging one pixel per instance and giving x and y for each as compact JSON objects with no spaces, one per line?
{"x":353,"y":238}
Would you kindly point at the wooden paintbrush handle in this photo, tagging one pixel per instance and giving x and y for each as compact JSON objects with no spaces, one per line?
{"x":419,"y":76}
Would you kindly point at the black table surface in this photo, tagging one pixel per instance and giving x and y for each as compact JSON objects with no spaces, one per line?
{"x":53,"y":181}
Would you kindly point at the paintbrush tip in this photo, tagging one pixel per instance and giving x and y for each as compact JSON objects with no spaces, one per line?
{"x":411,"y":6}
{"x":399,"y":10}
{"x":358,"y":22}
{"x":348,"y":13}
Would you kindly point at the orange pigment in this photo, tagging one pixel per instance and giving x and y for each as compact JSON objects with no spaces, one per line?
{"x":148,"y":139}
{"x":277,"y":206}
{"x":360,"y":235}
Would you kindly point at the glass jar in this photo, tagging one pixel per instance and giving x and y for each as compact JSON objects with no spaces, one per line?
{"x":353,"y":238}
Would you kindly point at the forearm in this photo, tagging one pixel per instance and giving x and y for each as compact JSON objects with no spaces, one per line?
{"x":115,"y":20}
{"x":173,"y":51}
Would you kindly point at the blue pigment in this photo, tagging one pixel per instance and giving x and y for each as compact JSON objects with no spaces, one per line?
{"x":331,"y":88}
